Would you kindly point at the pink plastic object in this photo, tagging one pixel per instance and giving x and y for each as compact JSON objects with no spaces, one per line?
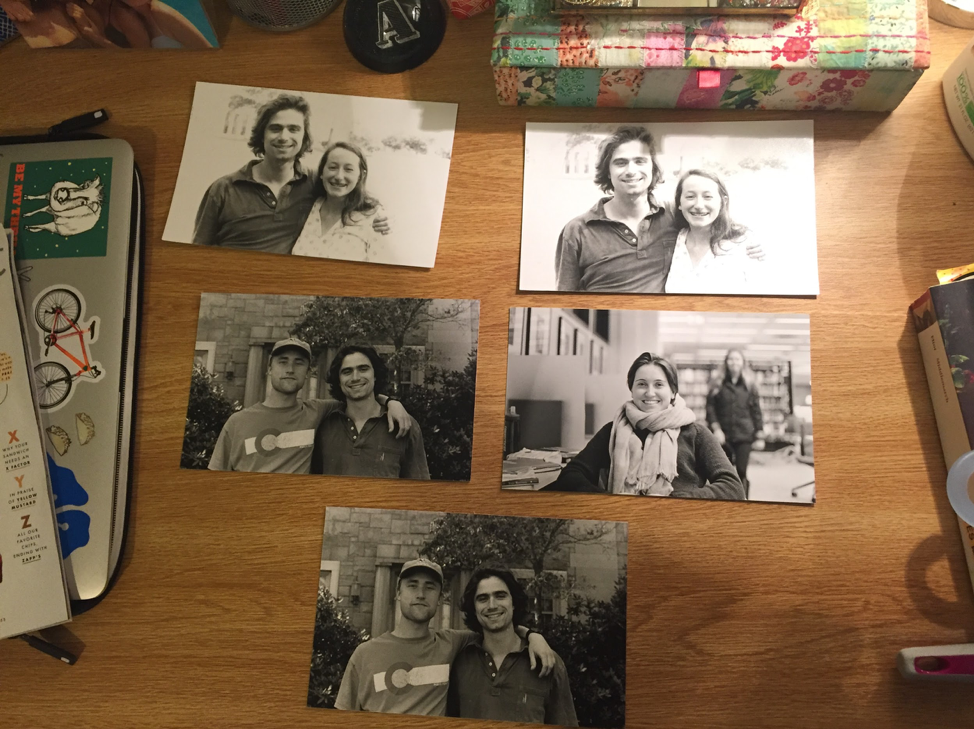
{"x":938,"y":663}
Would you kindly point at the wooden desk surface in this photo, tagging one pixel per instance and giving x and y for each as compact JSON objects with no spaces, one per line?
{"x":740,"y":615}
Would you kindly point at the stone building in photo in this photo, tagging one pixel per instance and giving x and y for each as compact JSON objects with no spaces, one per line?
{"x":364,"y":550}
{"x":235,"y":334}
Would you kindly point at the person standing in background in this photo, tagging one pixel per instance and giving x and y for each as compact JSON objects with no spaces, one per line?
{"x":734,"y":412}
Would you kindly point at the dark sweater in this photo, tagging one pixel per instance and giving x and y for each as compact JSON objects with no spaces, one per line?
{"x":702,"y":468}
{"x":737,"y":409}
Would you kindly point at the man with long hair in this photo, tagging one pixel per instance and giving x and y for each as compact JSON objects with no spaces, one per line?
{"x":277,"y":434}
{"x":407,"y":670}
{"x":492,"y":678}
{"x":263,"y":206}
{"x":625,"y":243}
{"x":352,"y":441}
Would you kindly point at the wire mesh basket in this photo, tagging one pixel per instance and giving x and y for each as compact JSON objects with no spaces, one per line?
{"x":281,"y":15}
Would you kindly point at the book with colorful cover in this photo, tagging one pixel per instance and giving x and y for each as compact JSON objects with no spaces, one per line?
{"x":681,"y":7}
{"x":33,"y":591}
{"x":112,"y":23}
{"x":944,"y":320}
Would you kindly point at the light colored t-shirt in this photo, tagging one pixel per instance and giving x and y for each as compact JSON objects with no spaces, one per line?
{"x":354,"y":241}
{"x":727,"y":273}
{"x":395,"y":675}
{"x":270,"y":440}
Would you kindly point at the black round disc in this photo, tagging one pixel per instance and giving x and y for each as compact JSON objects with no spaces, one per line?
{"x":392,"y":36}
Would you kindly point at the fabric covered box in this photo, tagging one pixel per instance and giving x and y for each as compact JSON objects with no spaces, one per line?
{"x":838,"y":54}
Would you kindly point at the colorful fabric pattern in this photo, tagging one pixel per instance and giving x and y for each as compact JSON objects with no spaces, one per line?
{"x":464,"y":9}
{"x":838,"y":54}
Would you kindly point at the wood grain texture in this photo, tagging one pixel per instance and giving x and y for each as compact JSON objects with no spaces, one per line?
{"x":740,"y":615}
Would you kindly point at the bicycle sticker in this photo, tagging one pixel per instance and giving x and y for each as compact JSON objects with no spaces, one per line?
{"x":59,"y":208}
{"x":65,"y":334}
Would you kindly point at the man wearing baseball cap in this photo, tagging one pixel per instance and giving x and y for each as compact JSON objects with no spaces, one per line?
{"x":407,"y":670}
{"x":277,"y":435}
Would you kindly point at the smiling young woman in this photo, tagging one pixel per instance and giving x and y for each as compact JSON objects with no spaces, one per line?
{"x":654,"y":446}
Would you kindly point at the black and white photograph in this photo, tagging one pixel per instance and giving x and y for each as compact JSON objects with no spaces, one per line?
{"x":686,"y":404}
{"x":705,"y":208}
{"x":312,"y":174}
{"x":500,"y":618}
{"x":342,"y":386}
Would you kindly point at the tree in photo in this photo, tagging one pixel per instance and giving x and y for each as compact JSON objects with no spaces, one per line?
{"x":331,"y":322}
{"x":334,"y":642}
{"x":445,"y":405}
{"x":591,"y":640}
{"x":209,"y":408}
{"x":465,"y":541}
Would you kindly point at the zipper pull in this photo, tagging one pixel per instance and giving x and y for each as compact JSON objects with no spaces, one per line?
{"x":78,"y":123}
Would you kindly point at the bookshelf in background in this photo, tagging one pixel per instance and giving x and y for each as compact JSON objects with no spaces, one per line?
{"x":773,"y":380}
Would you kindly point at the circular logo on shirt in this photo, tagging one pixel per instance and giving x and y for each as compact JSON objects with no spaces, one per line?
{"x":266,"y":441}
{"x":397,"y":677}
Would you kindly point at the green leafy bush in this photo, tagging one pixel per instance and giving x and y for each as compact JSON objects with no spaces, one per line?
{"x":208,"y":410}
{"x":443,"y":406}
{"x":335,"y":641}
{"x":591,"y":640}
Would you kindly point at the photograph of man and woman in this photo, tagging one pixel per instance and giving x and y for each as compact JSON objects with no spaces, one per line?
{"x":499,"y":618}
{"x":695,"y":405}
{"x":708,"y":208}
{"x":310,"y":174}
{"x":348,"y":386}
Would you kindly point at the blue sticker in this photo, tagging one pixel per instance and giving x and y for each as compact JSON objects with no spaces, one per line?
{"x":74,"y":525}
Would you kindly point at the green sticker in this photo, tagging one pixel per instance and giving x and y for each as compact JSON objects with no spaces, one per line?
{"x":59,"y":208}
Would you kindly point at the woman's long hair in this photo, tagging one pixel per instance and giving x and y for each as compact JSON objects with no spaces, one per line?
{"x":723,"y":228}
{"x":358,"y":200}
{"x":721,"y":373}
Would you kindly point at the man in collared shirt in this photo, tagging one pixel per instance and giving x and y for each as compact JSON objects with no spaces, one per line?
{"x":625,"y":243}
{"x":277,"y":435}
{"x":354,"y":442}
{"x":406,"y":671}
{"x":263,"y":206}
{"x":491,"y":678}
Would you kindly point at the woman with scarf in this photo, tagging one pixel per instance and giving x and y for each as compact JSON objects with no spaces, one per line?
{"x":654,"y":446}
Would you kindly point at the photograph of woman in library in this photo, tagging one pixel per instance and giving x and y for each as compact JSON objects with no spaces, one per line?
{"x":734,"y":412}
{"x":710,"y":252}
{"x":654,"y":446}
{"x":627,"y":402}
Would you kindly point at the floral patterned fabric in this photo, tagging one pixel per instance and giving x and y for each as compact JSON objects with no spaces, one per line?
{"x":463,"y":9}
{"x":833,"y":54}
